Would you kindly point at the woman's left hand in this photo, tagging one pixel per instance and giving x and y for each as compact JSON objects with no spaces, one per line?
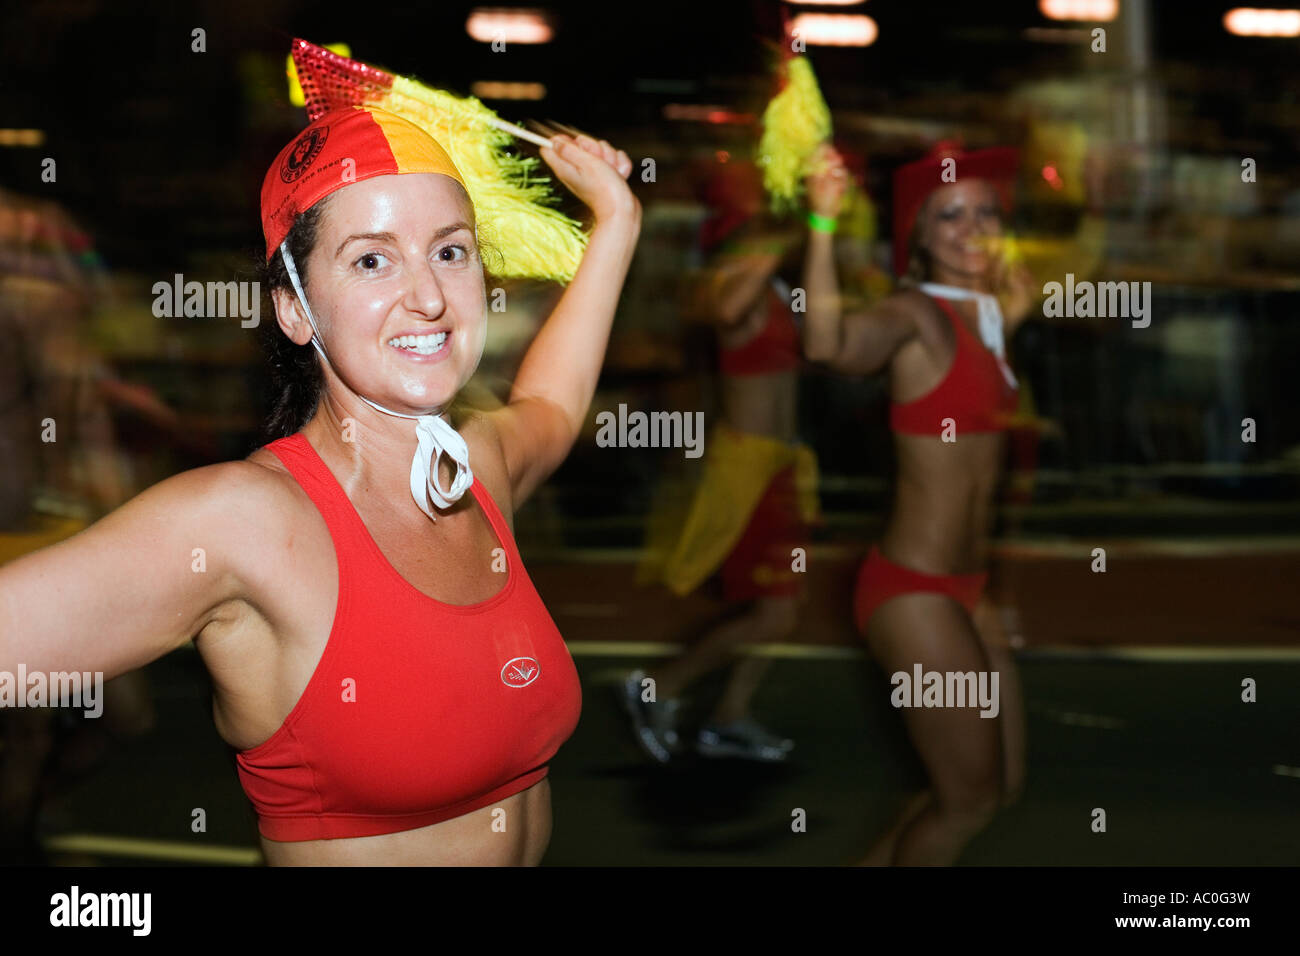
{"x":595,"y":172}
{"x":828,"y":181}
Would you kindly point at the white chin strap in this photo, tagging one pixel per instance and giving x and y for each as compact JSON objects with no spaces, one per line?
{"x":990,"y":320}
{"x":434,"y":437}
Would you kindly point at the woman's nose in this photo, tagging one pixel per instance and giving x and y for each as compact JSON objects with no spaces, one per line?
{"x":424,"y":294}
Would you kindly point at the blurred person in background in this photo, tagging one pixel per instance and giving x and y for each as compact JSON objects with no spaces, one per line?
{"x":757,"y":495}
{"x":61,"y":470}
{"x":919,"y":593}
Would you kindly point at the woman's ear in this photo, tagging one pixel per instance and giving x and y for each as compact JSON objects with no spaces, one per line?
{"x":290,"y":316}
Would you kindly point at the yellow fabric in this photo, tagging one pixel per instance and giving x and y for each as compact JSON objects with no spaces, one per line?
{"x":413,"y":149}
{"x":738,"y":467}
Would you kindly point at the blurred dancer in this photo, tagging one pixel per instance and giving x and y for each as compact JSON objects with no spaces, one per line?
{"x":61,"y":468}
{"x":758,"y":490}
{"x":941,"y":338}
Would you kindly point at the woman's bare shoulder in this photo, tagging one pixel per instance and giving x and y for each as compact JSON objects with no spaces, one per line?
{"x":253,"y":492}
{"x":912,"y":303}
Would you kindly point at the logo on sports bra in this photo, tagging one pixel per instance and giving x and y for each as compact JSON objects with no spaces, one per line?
{"x":520,"y":672}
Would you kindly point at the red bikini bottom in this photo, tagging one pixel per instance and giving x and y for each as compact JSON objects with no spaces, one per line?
{"x":881,"y":579}
{"x":759,"y":564}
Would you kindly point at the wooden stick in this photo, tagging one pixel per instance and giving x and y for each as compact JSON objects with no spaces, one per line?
{"x":519,"y":131}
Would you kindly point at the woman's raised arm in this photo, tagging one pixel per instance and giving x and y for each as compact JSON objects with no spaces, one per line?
{"x":558,"y":375}
{"x":138,"y":583}
{"x":858,"y":343}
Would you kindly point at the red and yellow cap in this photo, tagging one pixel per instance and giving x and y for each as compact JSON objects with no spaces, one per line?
{"x":339,"y":148}
{"x":914,"y":182}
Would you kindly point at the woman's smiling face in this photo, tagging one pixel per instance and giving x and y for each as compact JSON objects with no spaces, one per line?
{"x":396,"y":285}
{"x":960,"y":225}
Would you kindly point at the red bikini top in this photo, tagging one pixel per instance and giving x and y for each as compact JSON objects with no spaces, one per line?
{"x":974,"y":393}
{"x":776,"y":347}
{"x":417,"y":711}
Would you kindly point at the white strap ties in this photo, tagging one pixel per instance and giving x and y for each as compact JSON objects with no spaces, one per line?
{"x":434,"y":437}
{"x":990,"y":320}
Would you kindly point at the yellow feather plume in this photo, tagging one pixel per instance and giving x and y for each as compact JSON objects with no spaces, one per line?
{"x":795,"y":123}
{"x":534,"y":241}
{"x":511,"y":201}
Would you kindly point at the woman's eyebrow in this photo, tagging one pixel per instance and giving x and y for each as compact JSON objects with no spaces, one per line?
{"x":378,"y":236}
{"x":389,"y":237}
{"x":448,"y":230}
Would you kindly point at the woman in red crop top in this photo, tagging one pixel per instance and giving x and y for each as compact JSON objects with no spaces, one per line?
{"x":741,"y":294}
{"x":381,"y":662}
{"x":951,"y":394}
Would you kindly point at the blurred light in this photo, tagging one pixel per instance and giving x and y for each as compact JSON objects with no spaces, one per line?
{"x":723,"y":156}
{"x":21,"y":137}
{"x":829,"y":3}
{"x":835,"y":29}
{"x":705,"y":114}
{"x":1251,"y":22}
{"x":495,"y":90}
{"x":1053,"y":177}
{"x":1094,"y":10}
{"x":512,"y":26}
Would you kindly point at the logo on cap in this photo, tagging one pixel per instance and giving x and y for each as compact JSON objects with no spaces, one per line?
{"x":304,"y":152}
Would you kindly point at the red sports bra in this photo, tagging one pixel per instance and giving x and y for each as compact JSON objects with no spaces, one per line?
{"x":973,"y":393}
{"x":775,"y":348}
{"x":417,"y":711}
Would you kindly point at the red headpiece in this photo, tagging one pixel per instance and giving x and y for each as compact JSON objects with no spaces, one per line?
{"x":914,"y":182}
{"x":340,"y":148}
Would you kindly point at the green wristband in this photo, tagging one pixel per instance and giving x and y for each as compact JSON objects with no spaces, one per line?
{"x":819,"y":223}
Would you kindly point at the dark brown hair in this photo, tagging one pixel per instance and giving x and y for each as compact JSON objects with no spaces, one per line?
{"x":296,"y":376}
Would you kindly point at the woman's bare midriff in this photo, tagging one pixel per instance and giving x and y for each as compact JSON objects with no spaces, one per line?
{"x":512,"y":832}
{"x":943,"y":503}
{"x":761,"y":404}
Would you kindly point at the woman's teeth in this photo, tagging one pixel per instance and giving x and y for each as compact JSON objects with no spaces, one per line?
{"x":420,"y":344}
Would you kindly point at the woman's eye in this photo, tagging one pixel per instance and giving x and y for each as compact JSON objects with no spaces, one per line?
{"x":457,"y":253}
{"x":371,"y":261}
